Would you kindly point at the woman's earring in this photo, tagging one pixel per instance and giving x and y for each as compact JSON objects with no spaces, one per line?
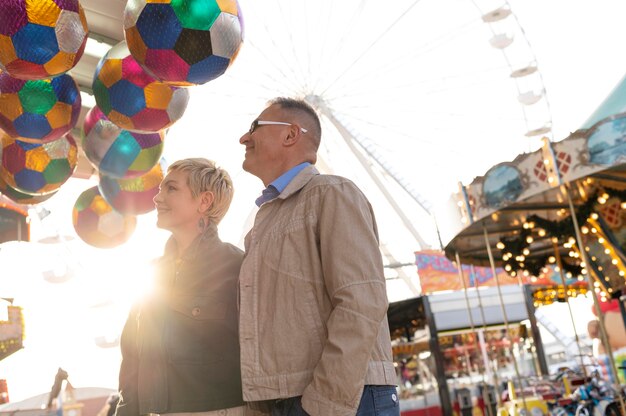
{"x":201,"y":224}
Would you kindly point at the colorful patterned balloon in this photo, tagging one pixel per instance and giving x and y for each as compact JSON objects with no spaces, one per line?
{"x":20,"y":197}
{"x":38,"y":168}
{"x":131,"y":98}
{"x":38,"y":111}
{"x":116,"y":152}
{"x":184,"y":42}
{"x":133,"y":196}
{"x":41,"y":38}
{"x":98,"y":224}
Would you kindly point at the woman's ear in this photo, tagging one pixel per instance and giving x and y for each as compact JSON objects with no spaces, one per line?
{"x":206,"y":201}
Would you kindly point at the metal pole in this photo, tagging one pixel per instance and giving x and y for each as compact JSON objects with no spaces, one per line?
{"x":504,"y":315}
{"x":478,"y":348}
{"x":559,"y":262}
{"x":444,"y":392}
{"x":622,"y":308}
{"x":493,"y":370}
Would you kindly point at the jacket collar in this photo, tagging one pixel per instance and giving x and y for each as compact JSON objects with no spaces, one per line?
{"x":299,"y":182}
{"x":209,"y":235}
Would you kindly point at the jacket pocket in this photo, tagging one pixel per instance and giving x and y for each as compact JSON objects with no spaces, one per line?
{"x":196,"y":331}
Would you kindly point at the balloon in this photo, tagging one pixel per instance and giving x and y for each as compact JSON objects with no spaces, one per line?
{"x":98,"y":224}
{"x":119,"y":153}
{"x":38,"y":168}
{"x":38,"y":111}
{"x":20,"y":197}
{"x":41,"y":39}
{"x":133,"y":196}
{"x":131,"y":98}
{"x":184,"y":42}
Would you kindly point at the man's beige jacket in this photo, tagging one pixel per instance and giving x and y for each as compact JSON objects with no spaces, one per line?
{"x":313,"y":301}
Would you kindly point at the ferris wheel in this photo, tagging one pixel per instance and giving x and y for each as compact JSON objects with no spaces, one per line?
{"x":413,"y":97}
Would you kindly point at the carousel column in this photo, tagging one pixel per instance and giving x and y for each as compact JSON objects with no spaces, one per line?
{"x":534,"y":330}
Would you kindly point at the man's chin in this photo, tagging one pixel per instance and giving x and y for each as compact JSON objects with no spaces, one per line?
{"x":246,"y":166}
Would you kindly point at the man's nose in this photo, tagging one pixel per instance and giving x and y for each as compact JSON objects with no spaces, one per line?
{"x":243,"y":139}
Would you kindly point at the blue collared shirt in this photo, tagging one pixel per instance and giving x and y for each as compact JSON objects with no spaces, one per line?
{"x":279,"y":184}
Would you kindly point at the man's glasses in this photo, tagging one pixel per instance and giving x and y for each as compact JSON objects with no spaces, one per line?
{"x":257,"y":123}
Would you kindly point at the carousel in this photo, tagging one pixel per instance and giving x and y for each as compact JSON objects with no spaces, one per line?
{"x":558,"y":212}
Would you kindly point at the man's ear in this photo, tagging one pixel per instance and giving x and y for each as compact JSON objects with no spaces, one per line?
{"x":293,"y":136}
{"x":206,"y":201}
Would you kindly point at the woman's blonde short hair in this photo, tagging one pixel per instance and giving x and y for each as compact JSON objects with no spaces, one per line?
{"x":203,"y":175}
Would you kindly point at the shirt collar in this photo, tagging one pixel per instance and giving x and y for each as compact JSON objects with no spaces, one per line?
{"x":283,"y":180}
{"x":279,"y":184}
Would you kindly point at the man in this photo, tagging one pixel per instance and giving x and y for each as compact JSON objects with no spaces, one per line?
{"x":313,"y":327}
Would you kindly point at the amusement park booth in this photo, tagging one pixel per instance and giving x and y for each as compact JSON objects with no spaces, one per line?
{"x":451,"y":357}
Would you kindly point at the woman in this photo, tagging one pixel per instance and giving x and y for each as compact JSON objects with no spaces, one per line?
{"x":180,"y":350}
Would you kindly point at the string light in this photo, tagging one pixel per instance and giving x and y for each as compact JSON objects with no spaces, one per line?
{"x":519,"y":259}
{"x":547,"y":296}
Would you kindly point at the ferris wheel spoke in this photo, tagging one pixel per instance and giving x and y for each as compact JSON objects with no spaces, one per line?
{"x":388,"y":92}
{"x":341,"y":42}
{"x":277,"y":49}
{"x":276,"y":67}
{"x":408,"y":61}
{"x":300,"y":75}
{"x":322,"y":48}
{"x":370,"y":46}
{"x":396,"y":133}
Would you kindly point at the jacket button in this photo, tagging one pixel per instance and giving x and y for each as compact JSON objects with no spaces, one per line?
{"x":195,"y":311}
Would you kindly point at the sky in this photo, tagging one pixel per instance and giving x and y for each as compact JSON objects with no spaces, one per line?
{"x":425,"y":93}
